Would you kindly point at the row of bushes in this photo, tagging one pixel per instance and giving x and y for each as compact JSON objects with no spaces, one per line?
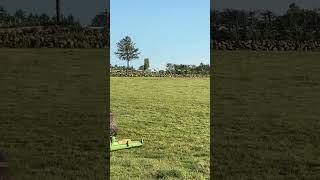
{"x":266,"y":45}
{"x":54,"y":37}
{"x":154,"y":74}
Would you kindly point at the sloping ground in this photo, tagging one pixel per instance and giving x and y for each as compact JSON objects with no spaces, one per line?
{"x":172,"y":115}
{"x":266,"y":117}
{"x":52,"y":113}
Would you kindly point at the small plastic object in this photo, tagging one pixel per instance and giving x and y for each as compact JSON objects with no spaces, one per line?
{"x":123,"y":144}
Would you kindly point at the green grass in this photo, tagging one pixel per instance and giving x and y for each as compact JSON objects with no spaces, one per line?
{"x":52,"y":113}
{"x":266,"y":115}
{"x":172,"y":115}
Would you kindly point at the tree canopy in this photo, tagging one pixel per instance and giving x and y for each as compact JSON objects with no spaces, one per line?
{"x":126,"y":50}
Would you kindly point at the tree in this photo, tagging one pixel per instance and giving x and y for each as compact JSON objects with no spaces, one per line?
{"x":2,"y":15}
{"x":268,"y":18}
{"x":252,"y":19}
{"x":169,"y":68}
{"x":126,"y":50}
{"x":2,"y":10}
{"x":58,"y":10}
{"x":19,"y":16}
{"x":141,"y":68}
{"x":294,"y":13}
{"x":100,"y":19}
{"x":44,"y":19}
{"x":70,"y":20}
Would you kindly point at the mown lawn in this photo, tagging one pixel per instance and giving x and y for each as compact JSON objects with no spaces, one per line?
{"x":52,"y":112}
{"x":266,"y":115}
{"x":172,"y":115}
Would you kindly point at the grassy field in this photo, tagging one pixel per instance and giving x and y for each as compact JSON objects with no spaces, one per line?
{"x":52,"y":113}
{"x":172,"y":115}
{"x":266,"y":115}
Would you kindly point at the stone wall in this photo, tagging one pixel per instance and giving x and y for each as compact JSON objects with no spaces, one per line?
{"x":123,"y":73}
{"x":266,"y":45}
{"x":53,"y":37}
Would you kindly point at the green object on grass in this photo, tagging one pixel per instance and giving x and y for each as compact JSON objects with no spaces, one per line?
{"x":123,"y":144}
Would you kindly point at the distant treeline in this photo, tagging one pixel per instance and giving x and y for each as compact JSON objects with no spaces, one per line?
{"x":20,"y":18}
{"x":172,"y":70}
{"x":257,"y":25}
{"x":22,"y":30}
{"x":182,"y":69}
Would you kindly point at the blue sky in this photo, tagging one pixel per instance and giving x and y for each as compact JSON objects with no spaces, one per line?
{"x":165,"y":31}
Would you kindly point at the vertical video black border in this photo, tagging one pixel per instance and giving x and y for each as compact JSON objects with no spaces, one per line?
{"x":108,"y":165}
{"x":211,"y":92}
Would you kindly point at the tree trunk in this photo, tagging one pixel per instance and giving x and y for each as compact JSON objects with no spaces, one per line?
{"x":127,"y":66}
{"x":237,"y":28}
{"x":58,"y":7}
{"x":252,"y":30}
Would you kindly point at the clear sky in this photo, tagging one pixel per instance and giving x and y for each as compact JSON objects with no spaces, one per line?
{"x":165,"y":31}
